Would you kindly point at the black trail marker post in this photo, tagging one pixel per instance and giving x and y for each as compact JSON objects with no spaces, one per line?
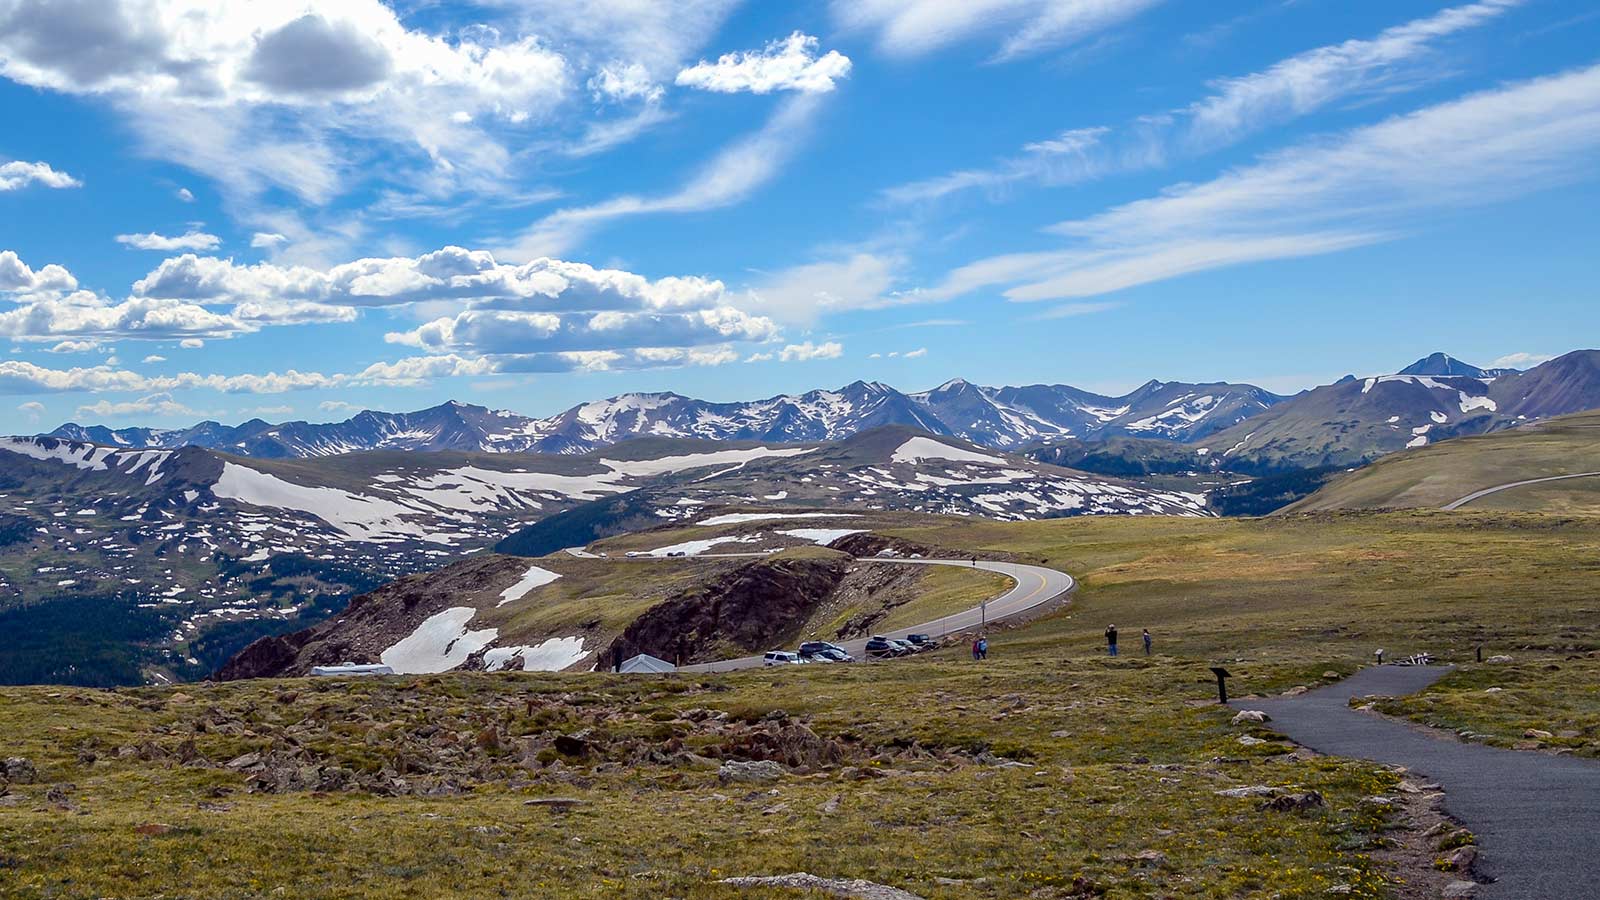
{"x":1222,"y":683}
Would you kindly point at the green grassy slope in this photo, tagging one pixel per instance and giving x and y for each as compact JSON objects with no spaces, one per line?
{"x":1433,"y":476}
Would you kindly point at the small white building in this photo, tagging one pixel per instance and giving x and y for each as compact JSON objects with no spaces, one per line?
{"x":646,"y":664}
{"x":348,"y":669}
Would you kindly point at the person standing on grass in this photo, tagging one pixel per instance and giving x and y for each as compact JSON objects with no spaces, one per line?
{"x":983,"y":648}
{"x":977,"y":649}
{"x":1111,"y":640}
{"x":1147,"y":641}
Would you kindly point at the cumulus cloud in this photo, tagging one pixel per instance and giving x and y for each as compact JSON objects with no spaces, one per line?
{"x":185,"y":194}
{"x":153,"y":405}
{"x":790,"y":64}
{"x":1521,"y":360}
{"x":193,"y":240}
{"x":212,"y":84}
{"x":267,"y":240}
{"x":75,"y":347}
{"x":16,"y":277}
{"x":910,"y":28}
{"x":153,"y":358}
{"x":33,"y":410}
{"x":16,"y":175}
{"x":619,"y":81}
{"x":510,"y":331}
{"x":917,"y":353}
{"x":191,"y":343}
{"x":336,"y":406}
{"x":808,"y":351}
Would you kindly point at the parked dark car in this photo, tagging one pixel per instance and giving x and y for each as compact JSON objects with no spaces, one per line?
{"x":921,"y":641}
{"x":817,"y":648}
{"x":879,"y":647}
{"x":837,"y":655}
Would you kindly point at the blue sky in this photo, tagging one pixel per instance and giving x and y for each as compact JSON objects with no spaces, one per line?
{"x":298,"y":209}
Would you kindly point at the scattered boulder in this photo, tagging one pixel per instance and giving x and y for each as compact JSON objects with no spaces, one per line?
{"x":1460,"y":890}
{"x":762,"y":771}
{"x":1459,"y":859}
{"x":1538,"y":734}
{"x":1254,"y":790}
{"x":1501,"y":658}
{"x":1294,"y":802}
{"x":1247,"y":716}
{"x":19,"y":770}
{"x":851,"y":889}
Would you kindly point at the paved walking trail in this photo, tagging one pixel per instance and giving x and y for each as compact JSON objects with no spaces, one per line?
{"x":1536,"y":816}
{"x":1457,"y":504}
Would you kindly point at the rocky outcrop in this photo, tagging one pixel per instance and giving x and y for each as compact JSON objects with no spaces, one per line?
{"x":754,"y":607}
{"x":375,"y":621}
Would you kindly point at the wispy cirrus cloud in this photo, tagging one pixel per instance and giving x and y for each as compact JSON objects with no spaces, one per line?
{"x":1398,"y":58}
{"x":1368,"y":185}
{"x":911,"y":28}
{"x":732,"y":175}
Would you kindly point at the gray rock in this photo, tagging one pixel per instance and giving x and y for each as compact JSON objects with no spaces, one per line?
{"x":1246,"y":716}
{"x":851,"y":888}
{"x":18,"y":770}
{"x":760,"y":772}
{"x":1460,"y":890}
{"x":1254,"y":790}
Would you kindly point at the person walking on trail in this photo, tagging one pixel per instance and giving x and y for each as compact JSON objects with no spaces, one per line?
{"x":983,"y":648}
{"x":1147,"y":641}
{"x":977,"y":649}
{"x":1111,"y":640}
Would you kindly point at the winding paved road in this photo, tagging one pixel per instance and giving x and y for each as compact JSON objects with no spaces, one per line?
{"x":1536,"y":816}
{"x":1457,"y":504}
{"x":1035,"y":586}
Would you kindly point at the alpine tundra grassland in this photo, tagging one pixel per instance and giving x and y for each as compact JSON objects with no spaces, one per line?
{"x":1047,"y":771}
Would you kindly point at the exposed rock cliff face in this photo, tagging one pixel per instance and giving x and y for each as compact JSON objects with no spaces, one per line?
{"x":753,"y":608}
{"x":373,"y":621}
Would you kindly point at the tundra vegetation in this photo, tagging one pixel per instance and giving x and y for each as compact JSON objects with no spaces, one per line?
{"x":1048,"y":771}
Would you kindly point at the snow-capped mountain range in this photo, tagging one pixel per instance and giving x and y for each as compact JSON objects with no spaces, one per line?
{"x":1001,"y":418}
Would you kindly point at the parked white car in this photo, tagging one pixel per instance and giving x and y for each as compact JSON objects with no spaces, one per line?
{"x":782,"y":658}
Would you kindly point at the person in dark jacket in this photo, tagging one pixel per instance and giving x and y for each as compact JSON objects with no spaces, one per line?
{"x":1111,"y":640}
{"x":1148,"y":640}
{"x":983,"y":648}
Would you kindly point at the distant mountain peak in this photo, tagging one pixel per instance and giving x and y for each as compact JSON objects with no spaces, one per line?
{"x":1443,"y":365}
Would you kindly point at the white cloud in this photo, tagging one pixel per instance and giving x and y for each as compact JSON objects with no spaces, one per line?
{"x":33,"y":410}
{"x":511,"y":331}
{"x":267,"y":240}
{"x":908,"y":28}
{"x":17,"y":175}
{"x":1311,"y":80}
{"x":791,"y":64}
{"x":619,"y":81}
{"x":1072,"y":310}
{"x":191,"y":343}
{"x":803,"y":293}
{"x":253,"y":93}
{"x":153,"y":405}
{"x":185,"y":195}
{"x":1521,"y":360}
{"x":732,"y":175}
{"x":153,"y":358}
{"x":917,"y":353}
{"x":1395,"y":59}
{"x":75,"y":347}
{"x":336,"y":406}
{"x":1368,"y":185}
{"x":284,"y":410}
{"x":16,"y":277}
{"x":19,"y":377}
{"x":192,"y":240}
{"x":808,"y":351}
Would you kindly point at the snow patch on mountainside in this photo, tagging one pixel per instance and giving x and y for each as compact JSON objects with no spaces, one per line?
{"x":353,"y":515}
{"x":552,"y":655}
{"x":918,"y":449}
{"x":741,"y":518}
{"x":441,"y":643}
{"x":535,"y":577}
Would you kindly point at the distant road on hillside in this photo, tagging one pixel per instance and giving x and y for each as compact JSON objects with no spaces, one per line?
{"x":1035,"y":587}
{"x":1457,"y":504}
